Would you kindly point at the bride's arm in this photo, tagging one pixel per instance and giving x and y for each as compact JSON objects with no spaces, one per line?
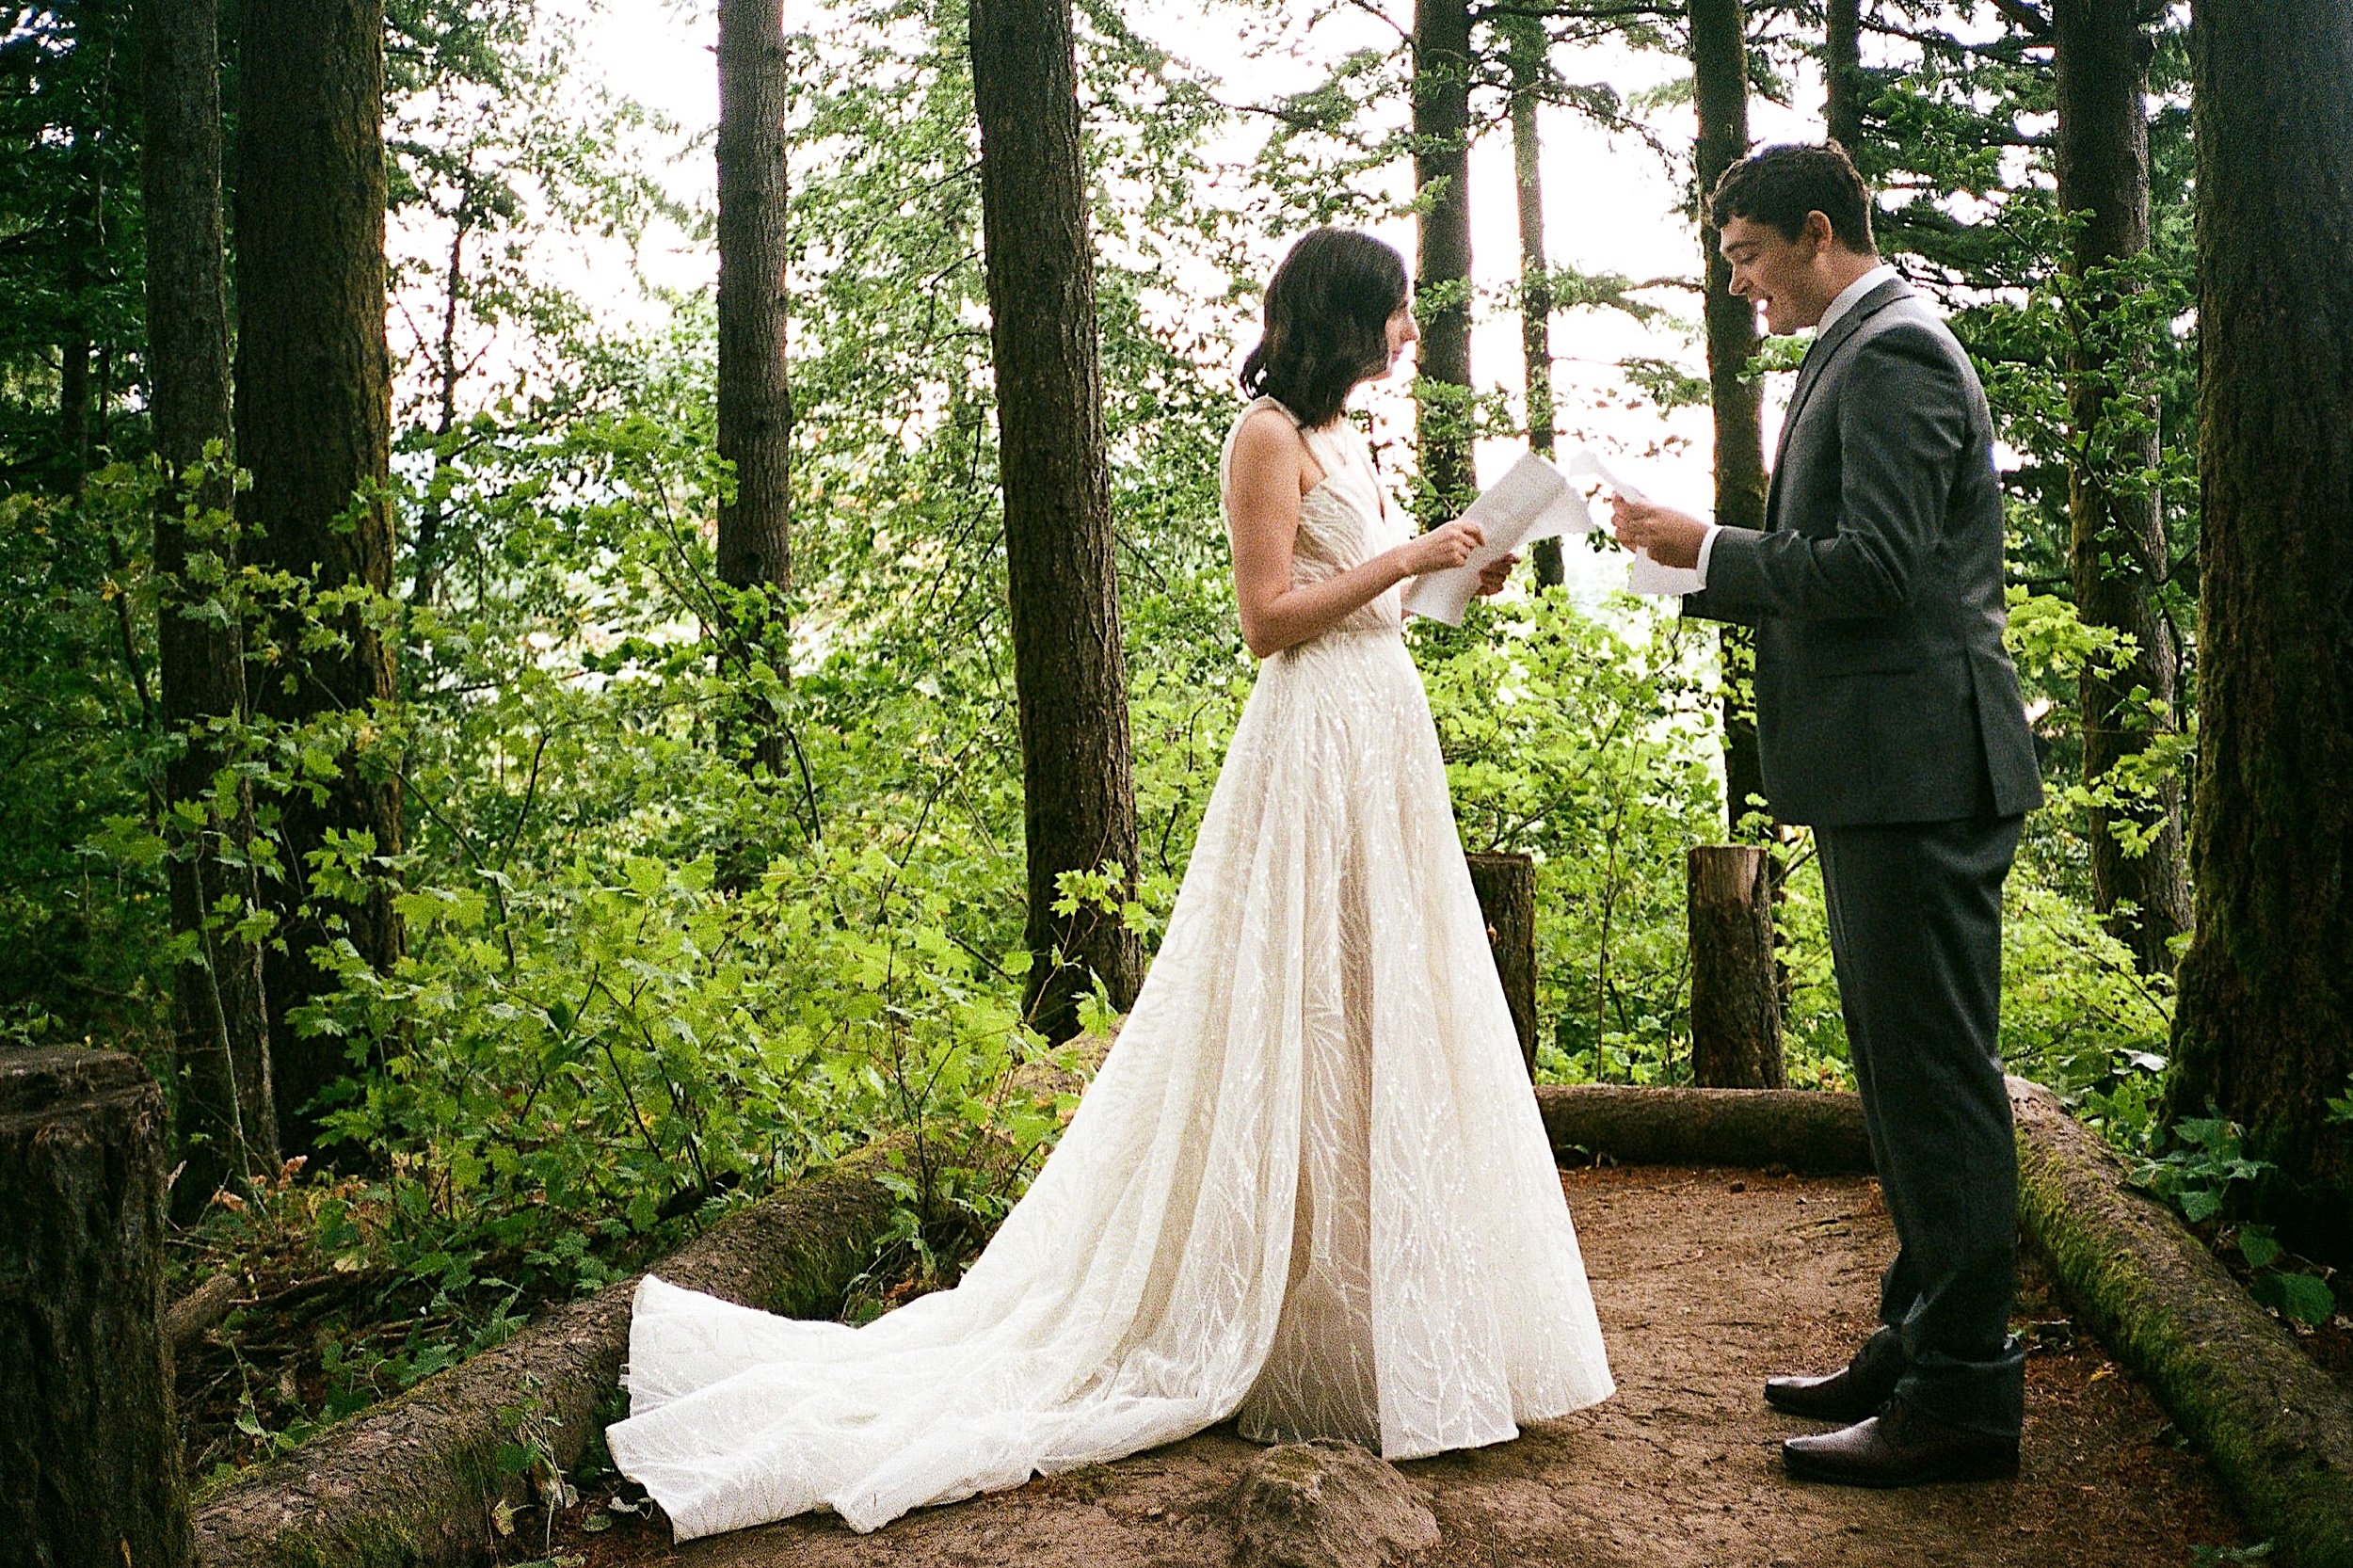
{"x":1262,"y":519}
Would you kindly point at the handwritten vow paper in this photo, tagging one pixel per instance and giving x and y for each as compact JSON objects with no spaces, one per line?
{"x":1535,"y":500}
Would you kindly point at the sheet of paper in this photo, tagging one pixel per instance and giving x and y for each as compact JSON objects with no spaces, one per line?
{"x":1533,"y":501}
{"x":1644,"y":575}
{"x":1647,"y":576}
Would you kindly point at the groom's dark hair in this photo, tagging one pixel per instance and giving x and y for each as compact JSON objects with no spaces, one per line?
{"x":1779,"y":185}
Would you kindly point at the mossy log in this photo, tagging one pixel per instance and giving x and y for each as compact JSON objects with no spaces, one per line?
{"x":415,"y":1482}
{"x":2275,"y":1427}
{"x":1798,"y":1128}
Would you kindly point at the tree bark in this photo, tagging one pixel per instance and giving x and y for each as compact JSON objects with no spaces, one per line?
{"x":1842,"y":73}
{"x":755,"y":424}
{"x":2275,"y":1425}
{"x":1798,"y":1129}
{"x":89,"y":1454}
{"x":1720,"y":90}
{"x":313,"y":418}
{"x":1525,"y":50}
{"x":2265,"y":1024}
{"x":2117,"y":545}
{"x":220,"y":1020}
{"x":1506,"y":886}
{"x":1070,"y":673}
{"x":1442,"y":284}
{"x":1736,"y":988}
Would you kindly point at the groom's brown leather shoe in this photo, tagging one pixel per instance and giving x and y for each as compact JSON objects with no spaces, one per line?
{"x":1899,"y":1446}
{"x":1850,"y":1393}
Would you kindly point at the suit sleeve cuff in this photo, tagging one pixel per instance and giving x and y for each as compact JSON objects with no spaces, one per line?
{"x":1708,"y":549}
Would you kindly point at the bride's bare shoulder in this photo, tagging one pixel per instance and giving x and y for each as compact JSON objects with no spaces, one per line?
{"x":1269,"y":449}
{"x":1267,"y":436}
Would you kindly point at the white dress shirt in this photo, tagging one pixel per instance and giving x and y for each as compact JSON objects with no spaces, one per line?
{"x":1839,"y":306}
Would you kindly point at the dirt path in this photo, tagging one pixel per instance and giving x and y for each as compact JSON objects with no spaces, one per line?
{"x":1707,"y":1281}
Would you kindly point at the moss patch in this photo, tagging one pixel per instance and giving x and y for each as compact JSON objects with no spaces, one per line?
{"x":2276,"y":1428}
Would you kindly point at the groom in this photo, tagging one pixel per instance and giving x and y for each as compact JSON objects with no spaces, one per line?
{"x":1888,"y":719}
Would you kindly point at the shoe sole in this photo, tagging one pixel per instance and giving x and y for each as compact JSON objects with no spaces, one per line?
{"x":1985,"y":1468}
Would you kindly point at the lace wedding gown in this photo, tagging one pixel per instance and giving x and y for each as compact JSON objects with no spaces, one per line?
{"x":1309,"y":1187}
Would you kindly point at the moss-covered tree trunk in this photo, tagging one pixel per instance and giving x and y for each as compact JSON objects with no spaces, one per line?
{"x":755,"y":414}
{"x":1524,"y":53}
{"x":1442,"y":282}
{"x":220,"y":1022}
{"x":2117,"y":549}
{"x":2265,"y":1024}
{"x":90,"y":1450}
{"x":314,"y":420}
{"x":1720,"y":90}
{"x":1069,"y":672}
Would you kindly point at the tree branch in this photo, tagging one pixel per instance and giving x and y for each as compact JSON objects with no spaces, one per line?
{"x":2032,"y":20}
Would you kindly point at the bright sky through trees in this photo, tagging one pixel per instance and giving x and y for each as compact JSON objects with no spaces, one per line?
{"x":1612,"y":205}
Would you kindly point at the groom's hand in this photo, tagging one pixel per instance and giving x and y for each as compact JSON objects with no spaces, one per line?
{"x":1672,"y":537}
{"x":1493,"y":575}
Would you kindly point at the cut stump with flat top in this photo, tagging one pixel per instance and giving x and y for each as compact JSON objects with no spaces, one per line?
{"x":1506,"y":885}
{"x":1736,"y":1001}
{"x":90,"y":1450}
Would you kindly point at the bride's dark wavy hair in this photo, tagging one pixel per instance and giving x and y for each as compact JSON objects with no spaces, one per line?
{"x":1327,"y":316}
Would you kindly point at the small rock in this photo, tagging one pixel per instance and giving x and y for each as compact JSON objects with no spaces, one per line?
{"x":1740,"y":1186}
{"x":1327,"y":1504}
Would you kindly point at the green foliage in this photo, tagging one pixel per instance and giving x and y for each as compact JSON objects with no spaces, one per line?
{"x":2197,"y":1174}
{"x":1578,"y":744}
{"x":644,"y":981}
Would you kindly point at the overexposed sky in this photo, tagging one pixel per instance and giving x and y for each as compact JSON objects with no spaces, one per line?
{"x":1610,"y":206}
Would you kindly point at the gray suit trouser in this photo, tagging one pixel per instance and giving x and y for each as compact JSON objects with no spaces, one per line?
{"x":1916,"y":934}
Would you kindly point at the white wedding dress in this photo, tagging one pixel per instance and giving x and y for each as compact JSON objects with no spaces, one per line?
{"x":1309,"y":1187}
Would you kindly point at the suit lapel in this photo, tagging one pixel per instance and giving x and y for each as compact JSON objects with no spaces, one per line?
{"x":1818,"y":358}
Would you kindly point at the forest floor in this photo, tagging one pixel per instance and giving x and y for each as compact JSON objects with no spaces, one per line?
{"x":1707,"y":1281}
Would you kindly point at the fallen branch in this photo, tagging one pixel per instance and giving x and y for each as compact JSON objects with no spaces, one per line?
{"x":1796,"y":1129}
{"x":187,"y":1319}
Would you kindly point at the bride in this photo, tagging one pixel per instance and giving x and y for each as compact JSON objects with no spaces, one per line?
{"x":1308,"y":1188}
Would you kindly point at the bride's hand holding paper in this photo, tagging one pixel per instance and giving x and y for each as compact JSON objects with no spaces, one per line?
{"x":1446,"y":547}
{"x":1533,"y":501}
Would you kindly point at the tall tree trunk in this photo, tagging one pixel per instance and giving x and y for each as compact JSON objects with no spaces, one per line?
{"x":1842,"y":73}
{"x":220,"y":1023}
{"x":79,"y":236}
{"x":2117,"y":547}
{"x":1719,"y":75}
{"x":1525,"y":52}
{"x":755,"y":428}
{"x":2264,"y":1025}
{"x":313,"y":418}
{"x":1442,"y":392}
{"x":424,"y":587}
{"x":1069,"y":674}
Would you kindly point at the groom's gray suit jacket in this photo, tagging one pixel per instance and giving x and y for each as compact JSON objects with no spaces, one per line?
{"x":1884,"y":693}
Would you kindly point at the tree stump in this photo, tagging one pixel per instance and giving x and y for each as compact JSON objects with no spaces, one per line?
{"x":1736,"y":1004}
{"x":89,"y":1453}
{"x":1506,"y":885}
